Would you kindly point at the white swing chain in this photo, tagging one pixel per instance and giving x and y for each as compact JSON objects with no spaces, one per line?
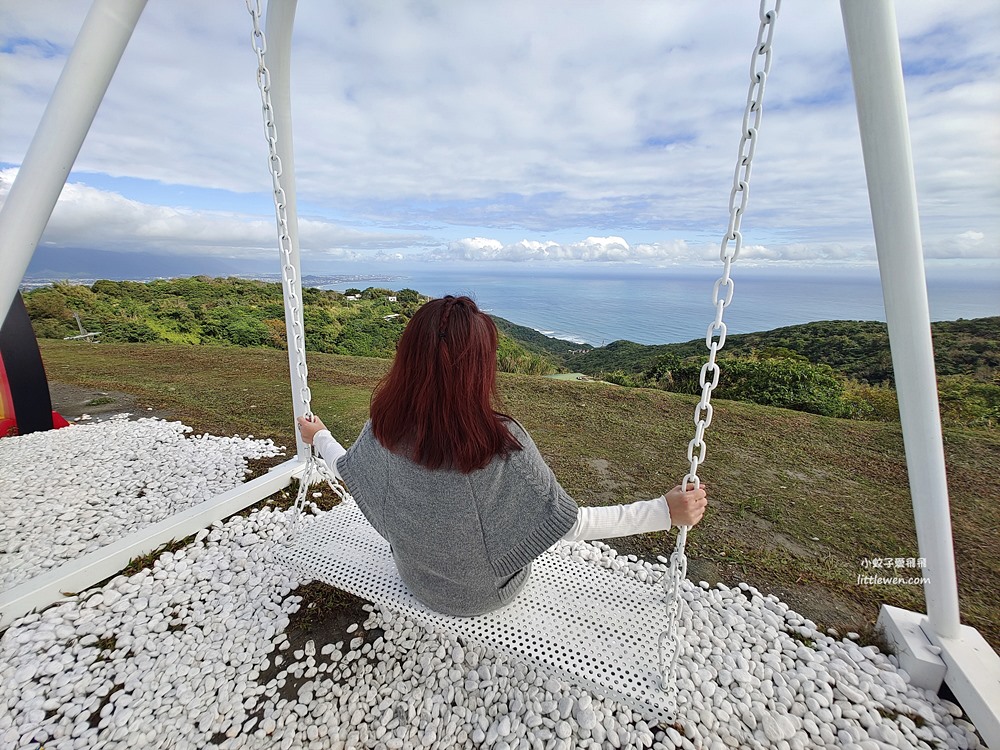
{"x":315,"y":469}
{"x":715,"y":338}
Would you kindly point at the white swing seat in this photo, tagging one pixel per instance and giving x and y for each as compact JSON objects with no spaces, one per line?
{"x":573,"y":620}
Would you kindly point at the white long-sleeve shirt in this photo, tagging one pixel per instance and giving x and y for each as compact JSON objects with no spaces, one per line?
{"x":602,"y":522}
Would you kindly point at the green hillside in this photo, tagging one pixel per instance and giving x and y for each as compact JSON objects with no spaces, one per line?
{"x":539,"y":342}
{"x":835,"y":368}
{"x":242,"y":312}
{"x":858,"y":349}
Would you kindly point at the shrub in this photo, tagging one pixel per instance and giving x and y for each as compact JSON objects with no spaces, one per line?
{"x":277,"y":332}
{"x":619,"y":377}
{"x":128,"y":331}
{"x":512,"y":357}
{"x":47,"y":303}
{"x":790,"y":384}
{"x":874,"y":403}
{"x":367,"y":337}
{"x":968,"y":402}
{"x":47,"y":328}
{"x":247,"y":332}
{"x":524,"y":364}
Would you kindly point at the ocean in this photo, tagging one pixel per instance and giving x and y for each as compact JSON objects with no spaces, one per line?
{"x":664,"y":305}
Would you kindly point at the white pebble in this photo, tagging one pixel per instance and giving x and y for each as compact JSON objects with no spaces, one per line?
{"x":188,"y":643}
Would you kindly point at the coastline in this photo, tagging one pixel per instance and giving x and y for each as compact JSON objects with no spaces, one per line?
{"x":656,"y":308}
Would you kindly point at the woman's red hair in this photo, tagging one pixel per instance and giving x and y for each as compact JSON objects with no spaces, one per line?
{"x":436,"y":403}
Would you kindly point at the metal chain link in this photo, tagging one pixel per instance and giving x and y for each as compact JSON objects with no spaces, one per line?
{"x":316,"y":469}
{"x":715,"y":338}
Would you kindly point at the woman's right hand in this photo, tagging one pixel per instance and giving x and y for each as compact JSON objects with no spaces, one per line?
{"x":309,"y":427}
{"x":686,"y":506}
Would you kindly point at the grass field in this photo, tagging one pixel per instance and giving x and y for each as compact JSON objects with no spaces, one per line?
{"x":797,"y":501}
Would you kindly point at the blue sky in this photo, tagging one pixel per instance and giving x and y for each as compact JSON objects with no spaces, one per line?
{"x":554,"y":132}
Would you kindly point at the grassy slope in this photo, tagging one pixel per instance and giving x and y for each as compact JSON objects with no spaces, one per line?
{"x":778,"y":478}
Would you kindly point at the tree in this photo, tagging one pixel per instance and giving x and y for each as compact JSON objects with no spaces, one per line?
{"x":375,"y":292}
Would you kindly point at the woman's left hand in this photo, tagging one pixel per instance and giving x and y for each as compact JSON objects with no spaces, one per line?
{"x":310,"y":428}
{"x":687,"y":506}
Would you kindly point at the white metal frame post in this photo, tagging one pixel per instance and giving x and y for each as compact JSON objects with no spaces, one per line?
{"x":278,"y":33}
{"x":81,"y":87}
{"x":67,"y":119}
{"x":885,"y":140}
{"x":972,"y":671}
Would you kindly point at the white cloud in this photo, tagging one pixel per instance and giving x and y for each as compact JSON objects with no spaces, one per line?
{"x":542,"y":118}
{"x":595,"y":249}
{"x":88,"y":217}
{"x":674,"y":253}
{"x":970,"y":244}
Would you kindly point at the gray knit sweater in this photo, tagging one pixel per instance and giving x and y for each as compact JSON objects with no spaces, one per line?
{"x":463,"y":543}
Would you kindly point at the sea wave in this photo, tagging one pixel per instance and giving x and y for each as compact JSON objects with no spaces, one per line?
{"x":562,"y":336}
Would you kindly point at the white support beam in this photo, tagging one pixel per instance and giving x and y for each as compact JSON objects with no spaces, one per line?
{"x":278,"y":33}
{"x":873,"y":45}
{"x":968,"y":664}
{"x":971,"y":667}
{"x":76,"y":575}
{"x":57,"y":141}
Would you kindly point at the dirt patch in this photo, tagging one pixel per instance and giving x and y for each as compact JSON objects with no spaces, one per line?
{"x":324,"y":617}
{"x":824,"y":607}
{"x":606,"y":489}
{"x":77,"y":404}
{"x":763,"y":531}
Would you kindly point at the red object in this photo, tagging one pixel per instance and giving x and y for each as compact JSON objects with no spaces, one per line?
{"x":8,"y":426}
{"x":6,"y":400}
{"x":8,"y":420}
{"x":25,"y":401}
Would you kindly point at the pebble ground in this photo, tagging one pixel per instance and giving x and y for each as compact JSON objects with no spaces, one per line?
{"x":194,"y":651}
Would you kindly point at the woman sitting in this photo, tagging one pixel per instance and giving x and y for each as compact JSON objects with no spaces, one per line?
{"x":460,"y":491}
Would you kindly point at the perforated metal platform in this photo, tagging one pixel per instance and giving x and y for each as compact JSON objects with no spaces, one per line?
{"x":573,"y":620}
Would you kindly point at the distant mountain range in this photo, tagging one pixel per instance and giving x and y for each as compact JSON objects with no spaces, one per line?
{"x":65,"y":263}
